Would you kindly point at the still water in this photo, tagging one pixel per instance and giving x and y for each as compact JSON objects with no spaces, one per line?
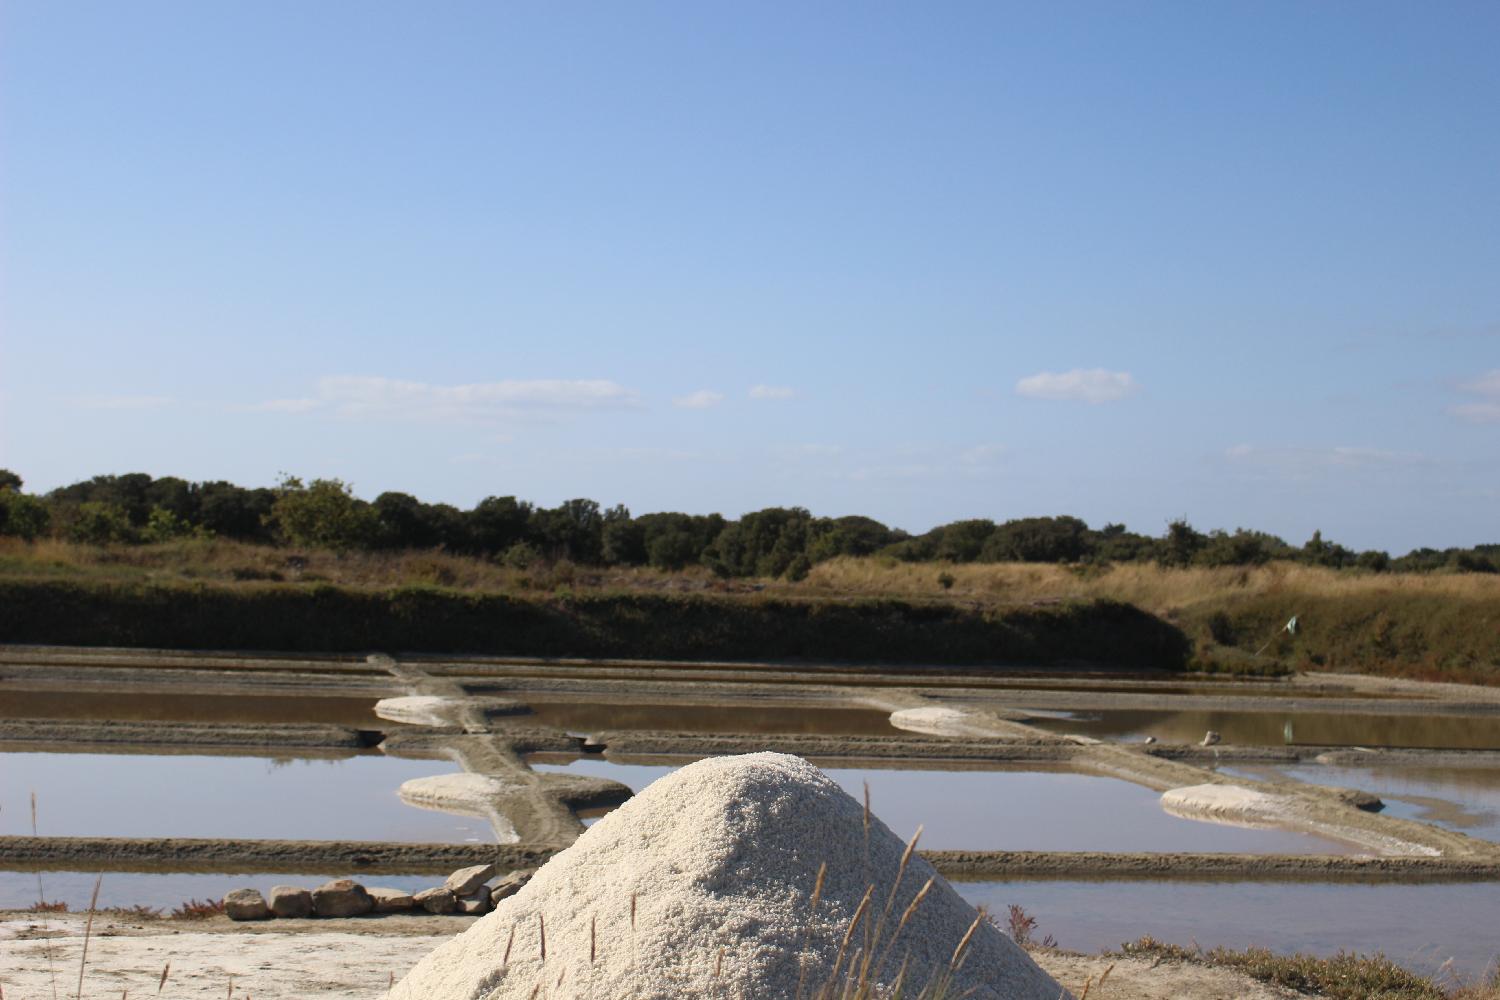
{"x":249,"y":798}
{"x":1419,"y":926}
{"x":1017,"y":810}
{"x":586,"y":717}
{"x":1285,"y":728}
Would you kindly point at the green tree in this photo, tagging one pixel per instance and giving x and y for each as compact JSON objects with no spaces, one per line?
{"x":623,"y":538}
{"x":1180,"y":545}
{"x":1038,"y":539}
{"x":10,"y":481}
{"x":497,"y":523}
{"x":323,"y":513}
{"x":572,"y":530}
{"x":22,"y":515}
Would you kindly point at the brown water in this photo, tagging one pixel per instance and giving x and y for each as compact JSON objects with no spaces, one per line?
{"x":591,"y":717}
{"x":1286,"y":728}
{"x":134,"y":706}
{"x":1016,"y":810}
{"x":246,"y":798}
{"x":1419,"y":926}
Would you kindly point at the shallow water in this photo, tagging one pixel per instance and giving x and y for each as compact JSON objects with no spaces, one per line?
{"x":1420,"y":926}
{"x":590,"y":717}
{"x":1465,"y":799}
{"x":18,"y":890}
{"x":1018,"y":810}
{"x":134,"y":706}
{"x":248,"y":798}
{"x":1286,"y":728}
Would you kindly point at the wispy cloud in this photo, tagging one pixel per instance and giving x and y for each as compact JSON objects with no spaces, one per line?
{"x":1090,"y":385}
{"x":286,"y":405}
{"x":121,"y":402}
{"x":700,"y":400}
{"x":982,"y":454}
{"x":1484,"y":408}
{"x":772,"y":392}
{"x":357,"y":396}
{"x":1304,"y":461}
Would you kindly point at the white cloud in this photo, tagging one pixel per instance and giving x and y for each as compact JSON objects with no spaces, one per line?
{"x":1486,"y":409}
{"x":1092,"y":385}
{"x":700,"y":400}
{"x":374,"y":396}
{"x":771,"y":392}
{"x":122,"y":402}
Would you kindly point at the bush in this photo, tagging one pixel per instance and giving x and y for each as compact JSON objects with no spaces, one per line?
{"x":96,"y":523}
{"x":23,"y":516}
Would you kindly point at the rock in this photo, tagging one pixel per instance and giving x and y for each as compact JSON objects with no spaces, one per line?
{"x":478,"y":904}
{"x":342,"y":897}
{"x":246,"y":904}
{"x":391,"y":900}
{"x":510,"y":885}
{"x":1210,"y":738}
{"x":438,"y":900}
{"x":1150,"y":739}
{"x":291,"y":901}
{"x":466,"y":880}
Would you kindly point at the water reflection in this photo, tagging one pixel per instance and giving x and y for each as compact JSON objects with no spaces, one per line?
{"x":1283,"y":728}
{"x":136,"y":706}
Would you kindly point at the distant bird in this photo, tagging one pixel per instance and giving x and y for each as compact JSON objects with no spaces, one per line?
{"x":1210,"y":738}
{"x":1150,"y":739}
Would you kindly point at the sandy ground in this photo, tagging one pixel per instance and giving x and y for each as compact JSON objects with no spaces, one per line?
{"x":356,"y":960}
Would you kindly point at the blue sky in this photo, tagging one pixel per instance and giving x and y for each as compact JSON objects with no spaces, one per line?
{"x":1129,"y":261}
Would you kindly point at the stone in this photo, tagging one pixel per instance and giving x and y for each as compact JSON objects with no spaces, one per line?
{"x":438,"y":900}
{"x":342,"y":897}
{"x":510,"y":885}
{"x":246,"y":904}
{"x":478,"y":904}
{"x":465,"y":881}
{"x":291,"y":901}
{"x":391,"y":900}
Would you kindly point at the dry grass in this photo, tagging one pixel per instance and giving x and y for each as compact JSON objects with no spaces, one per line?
{"x":198,"y":909}
{"x":1147,"y":586}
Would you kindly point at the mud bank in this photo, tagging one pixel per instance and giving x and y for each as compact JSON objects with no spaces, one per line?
{"x":53,"y":734}
{"x":181,"y":854}
{"x":322,"y":617}
{"x":374,"y":857}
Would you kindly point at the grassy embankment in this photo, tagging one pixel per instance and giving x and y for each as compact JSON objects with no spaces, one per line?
{"x":185,"y":594}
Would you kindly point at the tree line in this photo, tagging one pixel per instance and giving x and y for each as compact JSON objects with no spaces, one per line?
{"x":776,"y":542}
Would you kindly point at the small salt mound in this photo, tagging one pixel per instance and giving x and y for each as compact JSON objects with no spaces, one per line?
{"x":700,"y":886}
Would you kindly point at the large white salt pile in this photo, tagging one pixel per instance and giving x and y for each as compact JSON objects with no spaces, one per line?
{"x":700,"y":886}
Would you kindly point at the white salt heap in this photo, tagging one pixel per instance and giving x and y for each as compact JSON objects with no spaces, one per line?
{"x":700,"y":886}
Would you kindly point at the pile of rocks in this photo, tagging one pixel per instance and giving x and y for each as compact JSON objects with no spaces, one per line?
{"x":473,"y":890}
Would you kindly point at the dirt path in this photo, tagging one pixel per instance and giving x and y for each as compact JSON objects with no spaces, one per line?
{"x":356,"y":960}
